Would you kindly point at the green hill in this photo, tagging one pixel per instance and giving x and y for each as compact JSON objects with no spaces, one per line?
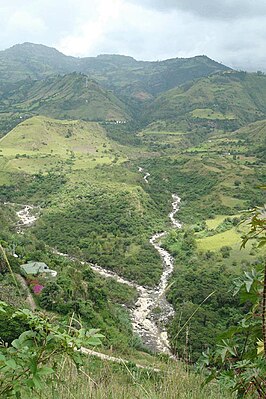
{"x":225,"y":101}
{"x":71,"y":96}
{"x":45,"y":135}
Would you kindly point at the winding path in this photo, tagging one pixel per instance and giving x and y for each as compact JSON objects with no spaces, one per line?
{"x":149,"y":325}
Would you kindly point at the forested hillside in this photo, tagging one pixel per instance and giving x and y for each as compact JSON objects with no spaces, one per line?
{"x":223,"y":101}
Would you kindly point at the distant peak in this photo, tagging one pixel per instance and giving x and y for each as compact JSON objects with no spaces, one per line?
{"x":32,"y":46}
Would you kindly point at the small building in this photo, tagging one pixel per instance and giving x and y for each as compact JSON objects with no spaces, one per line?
{"x":33,"y":268}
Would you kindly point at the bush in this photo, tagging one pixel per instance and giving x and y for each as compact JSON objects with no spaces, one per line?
{"x":10,"y":328}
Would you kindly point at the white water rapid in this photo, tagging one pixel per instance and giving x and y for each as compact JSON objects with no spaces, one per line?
{"x":146,"y":323}
{"x":146,"y":175}
{"x":26,"y":218}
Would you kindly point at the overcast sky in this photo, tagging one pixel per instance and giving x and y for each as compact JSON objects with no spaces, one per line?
{"x":230,"y":31}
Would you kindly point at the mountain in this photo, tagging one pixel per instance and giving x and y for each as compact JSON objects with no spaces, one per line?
{"x":142,"y":79}
{"x":125,"y":75}
{"x":72,"y":96}
{"x":36,"y":61}
{"x":226,"y":100}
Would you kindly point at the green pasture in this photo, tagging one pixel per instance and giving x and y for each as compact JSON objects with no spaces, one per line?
{"x":232,"y":202}
{"x":213,"y":223}
{"x":43,"y":144}
{"x":208,"y":113}
{"x":46,"y":135}
{"x":214,"y":243}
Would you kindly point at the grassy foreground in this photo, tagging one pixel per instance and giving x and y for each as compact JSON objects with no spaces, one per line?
{"x":101,"y":380}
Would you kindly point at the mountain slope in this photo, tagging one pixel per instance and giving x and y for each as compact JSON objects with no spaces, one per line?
{"x":140,"y":79}
{"x":69,"y":96}
{"x":225,"y":100}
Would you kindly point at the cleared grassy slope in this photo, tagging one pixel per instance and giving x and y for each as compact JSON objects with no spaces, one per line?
{"x":45,"y":144}
{"x":47,"y":135}
{"x":254,"y":132}
{"x":71,"y":96}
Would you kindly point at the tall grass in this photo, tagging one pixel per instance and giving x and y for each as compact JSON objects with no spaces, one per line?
{"x":105,"y":380}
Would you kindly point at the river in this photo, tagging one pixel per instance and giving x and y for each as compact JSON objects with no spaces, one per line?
{"x":151,"y":311}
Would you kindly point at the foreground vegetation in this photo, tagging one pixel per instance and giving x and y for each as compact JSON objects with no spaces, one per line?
{"x":27,"y":370}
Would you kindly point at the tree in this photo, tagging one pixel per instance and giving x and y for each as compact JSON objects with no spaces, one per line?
{"x":258,"y":232}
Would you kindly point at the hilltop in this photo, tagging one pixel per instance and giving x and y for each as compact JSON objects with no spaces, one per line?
{"x":46,"y":135}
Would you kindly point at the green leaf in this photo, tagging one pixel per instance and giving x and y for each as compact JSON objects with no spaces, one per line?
{"x":16,"y":344}
{"x":262,"y":242}
{"x":94,"y":341}
{"x":11,"y":363}
{"x":3,"y":305}
{"x":45,"y":371}
{"x":37,"y":382}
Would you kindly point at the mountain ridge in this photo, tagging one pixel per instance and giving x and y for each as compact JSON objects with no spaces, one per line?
{"x":31,"y":45}
{"x":123,"y":74}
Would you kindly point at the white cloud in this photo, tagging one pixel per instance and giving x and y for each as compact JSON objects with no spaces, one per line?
{"x":93,"y":30}
{"x":230,"y":31}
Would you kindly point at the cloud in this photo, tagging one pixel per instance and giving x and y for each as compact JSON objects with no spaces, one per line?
{"x":92,"y":30}
{"x":24,"y":21}
{"x":218,"y":9}
{"x":229,"y":31}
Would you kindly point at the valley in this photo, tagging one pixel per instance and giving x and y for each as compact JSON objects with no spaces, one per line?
{"x":137,"y":178}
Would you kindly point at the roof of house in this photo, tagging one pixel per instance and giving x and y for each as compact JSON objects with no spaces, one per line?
{"x":33,"y":267}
